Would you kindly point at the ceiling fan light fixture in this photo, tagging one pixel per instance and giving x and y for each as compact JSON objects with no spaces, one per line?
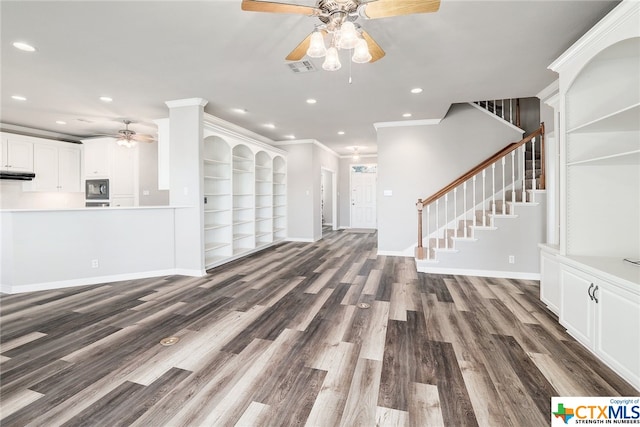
{"x":348,"y":35}
{"x":316,"y":46}
{"x":126,"y":142}
{"x":332,"y":61}
{"x":361,"y":54}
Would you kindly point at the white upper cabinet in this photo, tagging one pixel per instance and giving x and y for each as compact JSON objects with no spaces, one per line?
{"x":96,"y":158}
{"x":17,"y":153}
{"x":57,"y":167}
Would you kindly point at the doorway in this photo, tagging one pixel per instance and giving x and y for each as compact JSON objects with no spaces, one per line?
{"x":328,"y":200}
{"x":363,"y":196}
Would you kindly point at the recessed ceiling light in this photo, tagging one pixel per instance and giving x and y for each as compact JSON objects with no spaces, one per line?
{"x":290,"y":136}
{"x":106,"y":99}
{"x":416,"y":90}
{"x":311,"y":101}
{"x":240,"y":110}
{"x":340,"y":132}
{"x":19,"y":98}
{"x":269,"y":125}
{"x":24,"y":46}
{"x":61,"y":122}
{"x":406,"y":115}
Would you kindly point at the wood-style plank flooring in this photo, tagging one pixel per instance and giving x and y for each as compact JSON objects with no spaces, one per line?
{"x":278,"y":338}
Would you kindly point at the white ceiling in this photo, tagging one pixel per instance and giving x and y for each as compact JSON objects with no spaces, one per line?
{"x":147,"y":52}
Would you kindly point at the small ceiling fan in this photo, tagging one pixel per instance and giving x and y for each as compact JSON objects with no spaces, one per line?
{"x":338,"y":21}
{"x":129,"y":138}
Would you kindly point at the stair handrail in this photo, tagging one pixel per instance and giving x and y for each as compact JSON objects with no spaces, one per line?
{"x":421,"y":203}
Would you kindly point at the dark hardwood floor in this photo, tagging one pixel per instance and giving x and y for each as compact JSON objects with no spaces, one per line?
{"x":280,"y":338}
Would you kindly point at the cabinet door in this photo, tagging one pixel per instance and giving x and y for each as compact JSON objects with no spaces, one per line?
{"x":122,"y":201}
{"x":616,"y":329}
{"x":19,"y":155}
{"x":69,"y":179}
{"x":550,"y":281}
{"x":122,"y":172}
{"x":576,"y":307}
{"x":45,"y":166}
{"x":96,"y":159}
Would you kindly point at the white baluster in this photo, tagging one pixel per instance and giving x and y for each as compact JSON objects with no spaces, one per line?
{"x":534,"y":185}
{"x":504,"y":189}
{"x":455,"y":211}
{"x":428,"y":235}
{"x":437,"y":224}
{"x":502,"y":100}
{"x":523,"y":152}
{"x":511,"y":111}
{"x":493,"y":188}
{"x":495,"y":107}
{"x":484,"y":198}
{"x":513,"y":176}
{"x":446,"y":221}
{"x":473,"y":207}
{"x":464,"y":207}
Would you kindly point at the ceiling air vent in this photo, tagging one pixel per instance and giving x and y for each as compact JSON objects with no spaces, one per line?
{"x":302,"y":67}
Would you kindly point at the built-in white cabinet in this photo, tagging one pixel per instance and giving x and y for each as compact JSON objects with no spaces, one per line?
{"x":16,"y":154}
{"x":550,"y":278}
{"x":57,"y":166}
{"x":244,"y":193}
{"x":604,"y":317}
{"x":104,"y":158}
{"x":599,"y":131}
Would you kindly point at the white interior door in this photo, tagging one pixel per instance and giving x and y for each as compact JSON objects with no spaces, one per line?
{"x":363,"y":196}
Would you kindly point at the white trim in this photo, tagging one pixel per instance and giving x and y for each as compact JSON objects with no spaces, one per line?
{"x":221,"y":126}
{"x":60,"y":284}
{"x":406,"y":123}
{"x":550,"y":95}
{"x":496,"y":117}
{"x":362,"y":156}
{"x":188,"y":102}
{"x":614,"y":19}
{"x":306,"y":141}
{"x":478,"y":273}
{"x":299,"y":239}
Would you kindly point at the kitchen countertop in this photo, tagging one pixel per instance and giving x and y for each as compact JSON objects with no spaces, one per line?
{"x":105,"y":208}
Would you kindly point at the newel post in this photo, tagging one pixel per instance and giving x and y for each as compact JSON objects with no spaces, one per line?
{"x":543,"y":183}
{"x":420,"y":248}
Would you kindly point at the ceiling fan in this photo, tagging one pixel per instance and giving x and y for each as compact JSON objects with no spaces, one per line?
{"x":338,"y":22}
{"x":129,"y":138}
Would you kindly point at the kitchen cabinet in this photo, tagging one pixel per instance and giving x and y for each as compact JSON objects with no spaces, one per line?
{"x":57,"y":167}
{"x":96,"y":158}
{"x":104,"y":158}
{"x":604,"y":317}
{"x":16,"y":154}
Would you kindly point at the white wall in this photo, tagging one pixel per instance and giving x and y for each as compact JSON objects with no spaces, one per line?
{"x":47,"y":249}
{"x":148,"y":176}
{"x":305,"y":161}
{"x":12,"y":197}
{"x":417,"y":161}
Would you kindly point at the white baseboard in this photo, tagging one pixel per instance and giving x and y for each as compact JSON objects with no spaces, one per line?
{"x":395,"y":253}
{"x":299,"y":239}
{"x":479,"y":273}
{"x":61,"y":284}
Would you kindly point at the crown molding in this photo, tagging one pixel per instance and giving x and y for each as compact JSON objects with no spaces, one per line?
{"x":306,"y":141}
{"x":406,"y":123}
{"x":188,"y":102}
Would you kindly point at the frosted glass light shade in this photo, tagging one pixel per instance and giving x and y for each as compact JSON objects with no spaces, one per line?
{"x":361,"y":53}
{"x":332,"y":61}
{"x":128,"y":143}
{"x":348,"y":36}
{"x":316,"y":46}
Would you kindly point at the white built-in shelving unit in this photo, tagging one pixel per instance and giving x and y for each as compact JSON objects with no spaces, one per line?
{"x":244,"y":195}
{"x":595,"y":292}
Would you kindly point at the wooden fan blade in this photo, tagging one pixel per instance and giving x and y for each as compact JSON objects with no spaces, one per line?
{"x":383,"y":8}
{"x":143,"y":138}
{"x":374,"y":48}
{"x":299,"y":51}
{"x":266,"y":6}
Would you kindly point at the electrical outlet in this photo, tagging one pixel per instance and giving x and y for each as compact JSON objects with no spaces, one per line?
{"x":512,"y":259}
{"x":95,"y":263}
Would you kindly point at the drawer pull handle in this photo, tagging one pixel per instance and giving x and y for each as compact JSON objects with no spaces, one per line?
{"x":589,"y":292}
{"x":595,"y":298}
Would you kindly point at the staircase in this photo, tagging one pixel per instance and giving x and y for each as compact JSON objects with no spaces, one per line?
{"x":482,"y":221}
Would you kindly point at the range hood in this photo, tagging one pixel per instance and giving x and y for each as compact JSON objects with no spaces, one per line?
{"x":17,"y":176}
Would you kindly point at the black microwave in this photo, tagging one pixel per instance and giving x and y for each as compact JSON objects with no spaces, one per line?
{"x":96,"y":189}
